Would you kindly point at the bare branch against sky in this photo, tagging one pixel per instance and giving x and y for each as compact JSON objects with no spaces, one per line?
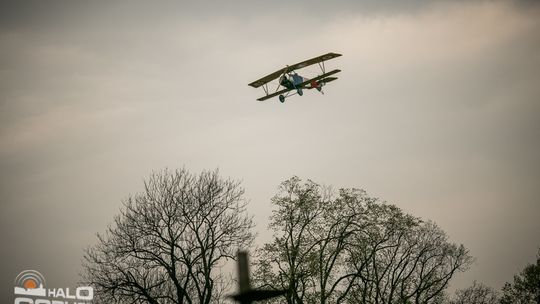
{"x":170,"y":241}
{"x":436,"y":110}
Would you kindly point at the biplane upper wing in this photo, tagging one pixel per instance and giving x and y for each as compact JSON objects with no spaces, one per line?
{"x":276,"y":74}
{"x":322,"y":77}
{"x":311,"y":61}
{"x":268,"y":78}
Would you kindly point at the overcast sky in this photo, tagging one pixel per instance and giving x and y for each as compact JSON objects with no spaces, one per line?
{"x":436,"y":110}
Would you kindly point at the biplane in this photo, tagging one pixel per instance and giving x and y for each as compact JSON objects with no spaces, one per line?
{"x":290,"y":83}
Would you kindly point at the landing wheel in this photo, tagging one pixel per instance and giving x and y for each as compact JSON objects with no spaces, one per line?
{"x":281,"y":98}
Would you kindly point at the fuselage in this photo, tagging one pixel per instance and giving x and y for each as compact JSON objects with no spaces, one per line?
{"x":293,"y":82}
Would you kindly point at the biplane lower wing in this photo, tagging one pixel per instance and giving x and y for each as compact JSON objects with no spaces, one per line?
{"x":303,"y":64}
{"x":303,"y":84}
{"x":274,"y":94}
{"x":324,"y":78}
{"x":327,"y":79}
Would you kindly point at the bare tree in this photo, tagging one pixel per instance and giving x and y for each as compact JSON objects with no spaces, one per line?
{"x":170,"y":241}
{"x":404,"y":260}
{"x":477,"y":293}
{"x":287,"y":263}
{"x":346,"y":247}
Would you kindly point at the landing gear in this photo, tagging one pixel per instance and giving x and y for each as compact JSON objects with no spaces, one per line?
{"x":281,"y":98}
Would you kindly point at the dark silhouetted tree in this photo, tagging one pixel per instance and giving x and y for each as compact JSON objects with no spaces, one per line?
{"x":170,"y":241}
{"x":477,"y":293}
{"x":346,"y":247}
{"x":525,"y":289}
